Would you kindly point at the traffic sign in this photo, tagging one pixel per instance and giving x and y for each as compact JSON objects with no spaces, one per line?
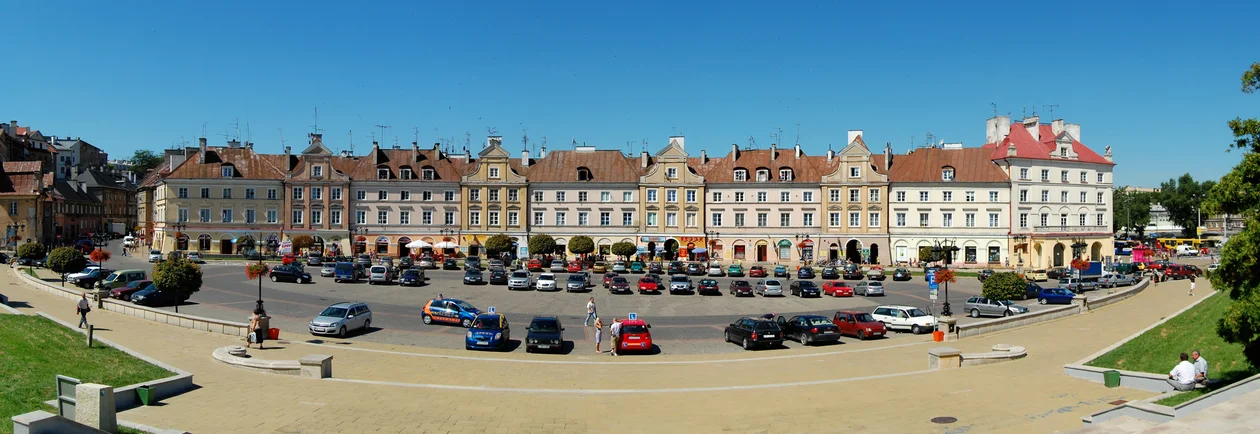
{"x":633,"y":316}
{"x":932,"y":285}
{"x":491,"y":309}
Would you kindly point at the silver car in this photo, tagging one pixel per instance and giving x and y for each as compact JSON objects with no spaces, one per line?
{"x":341,"y":318}
{"x":328,"y":270}
{"x":379,"y":274}
{"x":557,"y":266}
{"x":619,"y":267}
{"x":868,"y":288}
{"x":1114,"y":280}
{"x":546,"y":282}
{"x":579,"y":282}
{"x":519,"y":280}
{"x":979,"y":306}
{"x":155,"y":256}
{"x":769,"y":287}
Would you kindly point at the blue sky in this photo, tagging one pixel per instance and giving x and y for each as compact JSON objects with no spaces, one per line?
{"x":1154,"y":80}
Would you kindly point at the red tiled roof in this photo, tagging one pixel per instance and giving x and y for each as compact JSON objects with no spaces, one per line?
{"x":19,"y":183}
{"x":23,"y":166}
{"x":1026,"y":146}
{"x":364,"y":168}
{"x":925,"y":165}
{"x":605,"y":166}
{"x":722,"y":170}
{"x":247,"y":164}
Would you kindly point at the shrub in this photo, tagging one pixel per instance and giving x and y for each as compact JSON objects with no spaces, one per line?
{"x":1004,"y":286}
{"x":177,"y":274}
{"x":581,"y":245}
{"x":31,"y":251}
{"x":624,"y":249}
{"x":542,"y":244}
{"x":66,"y":260}
{"x":498,"y":244}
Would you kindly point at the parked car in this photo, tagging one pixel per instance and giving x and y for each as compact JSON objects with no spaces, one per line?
{"x":984,"y":274}
{"x":608,"y":278}
{"x":980,"y":306}
{"x":680,"y":284}
{"x":557,"y":266}
{"x":450,"y":264}
{"x":346,"y":272}
{"x":715,"y":270}
{"x":88,"y":280}
{"x":488,"y":331}
{"x":740,"y":287}
{"x":546,"y":282}
{"x":1058,"y":273}
{"x":752,"y":333}
{"x":636,"y":335}
{"x":852,"y":272}
{"x":1114,"y":279}
{"x":574,"y":267}
{"x":736,"y":270}
{"x":655,"y":268}
{"x":780,"y":271}
{"x":599,"y":267}
{"x":155,"y":255}
{"x":579,"y":282}
{"x":1037,"y":276}
{"x":412,"y":277}
{"x":756,"y":271}
{"x":858,"y":324}
{"x":619,"y":285}
{"x":406,"y":262}
{"x":809,"y":329}
{"x":901,"y":275}
{"x":498,"y":276}
{"x":636,"y":267}
{"x":837,"y":288}
{"x":875,"y":273}
{"x":364,"y":260}
{"x":151,"y":296}
{"x":519,"y":280}
{"x":830,"y":273}
{"x":649,"y":284}
{"x":341,"y":318}
{"x":805,"y":288}
{"x":1031,"y":290}
{"x":619,"y":267}
{"x":329,"y":269}
{"x":121,"y":278}
{"x":473,"y":276}
{"x":448,"y":311}
{"x":868,"y":288}
{"x":124,"y":292}
{"x":695,"y":269}
{"x":427,"y":262}
{"x":534,"y":265}
{"x":805,"y":273}
{"x":472,"y":263}
{"x":498,"y":263}
{"x":1177,"y":272}
{"x":195,"y":258}
{"x":311,"y":258}
{"x":708,"y":286}
{"x":907,"y":318}
{"x":380,"y":274}
{"x":1195,"y":269}
{"x":1055,"y":296}
{"x":768,"y":287}
{"x":544,"y":333}
{"x":84,"y":272}
{"x":289,"y":273}
{"x":1077,"y":285}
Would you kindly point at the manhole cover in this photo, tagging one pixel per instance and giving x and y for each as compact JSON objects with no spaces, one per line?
{"x":1117,"y":402}
{"x":944,"y":419}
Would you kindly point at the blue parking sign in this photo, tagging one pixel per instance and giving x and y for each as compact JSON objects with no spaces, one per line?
{"x":633,"y":316}
{"x":491,"y":309}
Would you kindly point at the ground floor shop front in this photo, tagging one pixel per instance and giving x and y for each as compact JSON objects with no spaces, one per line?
{"x":1053,"y":251}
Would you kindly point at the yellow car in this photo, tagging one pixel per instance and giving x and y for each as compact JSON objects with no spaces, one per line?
{"x":600,"y":267}
{"x":1037,"y":276}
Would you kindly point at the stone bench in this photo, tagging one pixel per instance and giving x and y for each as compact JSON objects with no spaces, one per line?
{"x":311,"y":366}
{"x":949,"y":358}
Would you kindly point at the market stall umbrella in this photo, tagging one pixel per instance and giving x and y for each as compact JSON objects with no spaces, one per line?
{"x":447,"y":245}
{"x":418,"y":244}
{"x":699,"y":250}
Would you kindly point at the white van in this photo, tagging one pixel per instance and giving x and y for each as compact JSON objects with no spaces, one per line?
{"x":1187,"y":250}
{"x":129,"y":241}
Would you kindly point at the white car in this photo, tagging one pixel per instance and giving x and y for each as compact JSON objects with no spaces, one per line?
{"x":715,"y":270}
{"x":546,"y":282}
{"x":906,"y":318}
{"x":519,"y":279}
{"x":155,"y":256}
{"x":85,"y":272}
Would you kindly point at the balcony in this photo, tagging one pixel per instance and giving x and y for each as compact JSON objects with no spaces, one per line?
{"x":1054,"y":229}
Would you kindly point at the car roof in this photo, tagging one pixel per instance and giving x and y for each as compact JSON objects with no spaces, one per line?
{"x":446,"y":299}
{"x":894,"y":306}
{"x":850,"y":312}
{"x":347,"y":304}
{"x":626,"y":322}
{"x":129,"y":270}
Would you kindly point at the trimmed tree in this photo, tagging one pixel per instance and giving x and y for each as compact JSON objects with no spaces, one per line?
{"x":581,"y":245}
{"x":542,"y":244}
{"x":498,"y":244}
{"x":1004,"y":286}
{"x":178,"y":274}
{"x":624,"y":249}
{"x":302,"y":242}
{"x":31,"y":251}
{"x":65,"y":260}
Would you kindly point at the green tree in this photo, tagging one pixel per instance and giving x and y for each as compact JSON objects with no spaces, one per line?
{"x":65,"y":260}
{"x":581,"y":245}
{"x":31,"y":251}
{"x":624,"y":249}
{"x":1132,"y":210}
{"x":1239,"y":193}
{"x":541,"y":244}
{"x":302,"y":242}
{"x":498,"y":244}
{"x":178,"y":274}
{"x":1004,"y":286}
{"x":1183,"y":197}
{"x":144,"y":160}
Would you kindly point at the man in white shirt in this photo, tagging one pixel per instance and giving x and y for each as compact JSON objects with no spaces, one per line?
{"x":615,"y":331}
{"x":1182,"y":376}
{"x":82,"y":309}
{"x":1200,"y":367}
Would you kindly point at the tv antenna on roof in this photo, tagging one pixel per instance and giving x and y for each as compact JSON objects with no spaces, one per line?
{"x":383,"y":128}
{"x":1051,"y":109}
{"x":203,"y":129}
{"x":752,"y":142}
{"x":994,"y":109}
{"x":798,"y":133}
{"x":351,"y":143}
{"x":778,"y":135}
{"x":416,"y":132}
{"x":315,"y":128}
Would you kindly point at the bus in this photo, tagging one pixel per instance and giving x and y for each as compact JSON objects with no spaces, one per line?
{"x":1172,"y":243}
{"x":1125,"y":247}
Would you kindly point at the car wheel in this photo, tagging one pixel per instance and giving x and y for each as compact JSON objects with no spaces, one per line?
{"x":975,"y":313}
{"x":1041,"y":301}
{"x":274,"y":278}
{"x":467,"y":323}
{"x":726,"y":336}
{"x":861,"y":335}
{"x":747,"y":345}
{"x":915,"y":329}
{"x":804,"y":339}
{"x":1006,"y":313}
{"x":341,"y":333}
{"x":367,"y":325}
{"x":304,"y":281}
{"x":426,"y":319}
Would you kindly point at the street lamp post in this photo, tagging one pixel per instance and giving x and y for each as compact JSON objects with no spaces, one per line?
{"x":947,"y":248}
{"x":1019,"y":241}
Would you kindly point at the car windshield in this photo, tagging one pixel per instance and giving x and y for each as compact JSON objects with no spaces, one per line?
{"x":766,"y":326}
{"x":547,"y":277}
{"x":465,"y":306}
{"x":520,"y":274}
{"x":678,"y":279}
{"x":864,"y":317}
{"x":740,"y":283}
{"x":808,"y":284}
{"x":411,"y":273}
{"x":817,"y":321}
{"x":473,"y":272}
{"x":773,"y":283}
{"x":335,"y":312}
{"x":545,"y":326}
{"x":487,"y":322}
{"x":576,"y":278}
{"x":378,"y":269}
{"x":708,"y":282}
{"x":634,"y":329}
{"x":914,"y":313}
{"x":155,"y":252}
{"x":618,"y":280}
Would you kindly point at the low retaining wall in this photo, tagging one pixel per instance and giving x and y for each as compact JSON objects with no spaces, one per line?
{"x":158,"y":315}
{"x":1149,"y":411}
{"x":949,"y":358}
{"x":4,"y":305}
{"x":1131,"y":379}
{"x":42,"y":422}
{"x":1117,"y":296}
{"x":311,"y":366}
{"x":1013,"y":321}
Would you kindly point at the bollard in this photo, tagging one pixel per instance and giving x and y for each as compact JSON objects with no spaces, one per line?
{"x":91,"y":330}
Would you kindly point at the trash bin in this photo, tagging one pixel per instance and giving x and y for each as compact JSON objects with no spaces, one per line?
{"x":273,"y":333}
{"x":147,"y":395}
{"x":1111,"y":378}
{"x":938,"y":336}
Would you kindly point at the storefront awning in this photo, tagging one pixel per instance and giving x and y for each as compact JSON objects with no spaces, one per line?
{"x":808,"y":243}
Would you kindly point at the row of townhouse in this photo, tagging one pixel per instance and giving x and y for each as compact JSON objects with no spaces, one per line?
{"x":1033,"y":195}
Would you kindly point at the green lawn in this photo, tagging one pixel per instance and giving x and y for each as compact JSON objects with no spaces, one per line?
{"x":1156,"y":350}
{"x":34,"y":350}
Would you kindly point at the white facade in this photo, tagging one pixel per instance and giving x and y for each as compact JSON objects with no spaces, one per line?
{"x":396,"y":212}
{"x":749,"y":216}
{"x":606,"y":212}
{"x":973,"y":216}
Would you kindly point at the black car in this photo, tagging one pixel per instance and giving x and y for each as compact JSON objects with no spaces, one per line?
{"x":1058,"y":273}
{"x":984,"y":274}
{"x":450,"y":264}
{"x":901,"y":275}
{"x":364,"y":260}
{"x":805,"y":273}
{"x":809,"y":329}
{"x":805,"y":288}
{"x":89,"y":280}
{"x":544,"y":333}
{"x":411,"y":277}
{"x":473,"y":277}
{"x":852,"y":272}
{"x":619,"y":285}
{"x":676,"y":268}
{"x":741,"y":287}
{"x":830,"y":273}
{"x":4,"y":258}
{"x":472,"y":262}
{"x":696,"y":269}
{"x":654,"y":268}
{"x":498,"y":276}
{"x":150,"y":296}
{"x":751,"y":333}
{"x":406,"y":262}
{"x":1032,"y":290}
{"x":289,"y":273}
{"x":252,"y":255}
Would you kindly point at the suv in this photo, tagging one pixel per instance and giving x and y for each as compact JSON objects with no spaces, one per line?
{"x":750,"y":333}
{"x":121,"y":278}
{"x":680,"y":283}
{"x":1177,"y":272}
{"x":341,"y":318}
{"x":980,"y":306}
{"x":852,"y":272}
{"x":907,"y":318}
{"x":1077,"y":285}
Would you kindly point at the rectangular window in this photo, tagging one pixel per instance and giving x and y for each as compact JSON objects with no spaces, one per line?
{"x":605,"y":218}
{"x":1100,"y":177}
{"x":970,"y":219}
{"x":671,"y":219}
{"x":834,"y":194}
{"x":807,"y":219}
{"x":762,"y":220}
{"x":739,"y":196}
{"x":947,"y":196}
{"x":691,"y":219}
{"x":298,"y":216}
{"x":494,"y":173}
{"x":382,"y":173}
{"x":1045,"y":174}
{"x":180,"y":216}
{"x":762,"y":196}
{"x":1084,"y":177}
{"x":227,"y":215}
{"x":474,"y":195}
{"x":514,"y":218}
{"x":993,"y":196}
{"x":855,"y":172}
{"x":833,"y":219}
{"x":872,"y":220}
{"x":1100,"y":197}
{"x":1063,"y":196}
{"x":1063,"y":176}
{"x":901,"y":219}
{"x":671,"y":172}
{"x":404,"y":217}
{"x":336,"y":193}
{"x":785,"y":219}
{"x":272,"y":216}
{"x":923,"y":196}
{"x":741,"y":175}
{"x":581,"y":196}
{"x":448,"y":218}
{"x":1045,"y":220}
{"x":874,"y":195}
{"x":317,"y":171}
{"x":317,"y":193}
{"x":605,"y":196}
{"x":854,"y":195}
{"x":993,"y":220}
{"x":249,"y":216}
{"x":1099,"y":222}
{"x":717,"y":219}
{"x":583,"y":219}
{"x":203,"y":215}
{"x":492,"y":194}
{"x":404,"y":195}
{"x":855,"y":219}
{"x":426,"y":196}
{"x":538,"y":218}
{"x":426,"y":217}
{"x":901,"y":196}
{"x":1023,"y":195}
{"x":739,"y":220}
{"x":405,"y":174}
{"x":334,"y":217}
{"x":671,"y":196}
{"x":428,"y":174}
{"x":1083,"y":197}
{"x":691,"y":196}
{"x":182,"y":193}
{"x":1082,"y":218}
{"x":923,"y":220}
{"x":651,"y":219}
{"x":448,"y":195}
{"x":969,"y":254}
{"x":627,"y":219}
{"x":969,"y":196}
{"x":297,"y":193}
{"x":627,"y":196}
{"x":382,"y":195}
{"x":717,"y":196}
{"x":1023,"y":173}
{"x":1023,"y":220}
{"x":785,"y":196}
{"x":227,"y":171}
{"x":492,"y":218}
{"x":271,"y":194}
{"x":360,"y":195}
{"x":317,"y":217}
{"x":651,"y":195}
{"x":474,"y":218}
{"x":249,"y":193}
{"x":560,"y":196}
{"x":1045,"y":195}
{"x":360,"y":217}
{"x":807,"y":196}
{"x":205,"y":192}
{"x":538,"y":196}
{"x":947,"y":219}
{"x":382,"y":217}
{"x":227,"y":193}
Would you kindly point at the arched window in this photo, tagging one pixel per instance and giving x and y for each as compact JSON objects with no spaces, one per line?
{"x":741,"y":174}
{"x":785,"y":174}
{"x":584,"y":174}
{"x":382,"y":172}
{"x":427,"y":173}
{"x":763,"y":175}
{"x":947,"y":173}
{"x":203,"y":241}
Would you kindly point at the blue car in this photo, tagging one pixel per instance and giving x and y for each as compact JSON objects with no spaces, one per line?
{"x":488,"y":331}
{"x":449,"y":311}
{"x":780,"y":271}
{"x":805,"y":273}
{"x":345,"y":272}
{"x":1055,"y":296}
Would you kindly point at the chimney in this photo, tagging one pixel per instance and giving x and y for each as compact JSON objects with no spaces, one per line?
{"x":232,"y":144}
{"x":287,"y":159}
{"x":774,"y":151}
{"x":249,"y":145}
{"x":678,"y":140}
{"x":1073,"y":130}
{"x":997,"y":128}
{"x":853,"y":135}
{"x":1056,"y":126}
{"x":735,"y":151}
{"x":704,"y":156}
{"x":201,"y":150}
{"x":415,"y":148}
{"x":1108,"y":154}
{"x":1033,"y":125}
{"x":1010,"y":150}
{"x":525,"y":158}
{"x":643,"y":160}
{"x":830,"y":155}
{"x":467,"y":155}
{"x":887,"y":156}
{"x":798,"y":151}
{"x":543,"y":154}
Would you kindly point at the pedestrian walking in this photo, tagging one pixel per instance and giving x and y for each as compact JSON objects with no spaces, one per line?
{"x":1192,"y":285}
{"x":615,"y":331}
{"x":255,"y":329}
{"x":590,"y":312}
{"x":82,"y":309}
{"x":599,"y":334}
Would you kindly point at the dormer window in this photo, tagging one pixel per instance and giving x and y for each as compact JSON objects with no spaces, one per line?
{"x":763,"y":175}
{"x":1063,"y":152}
{"x":785,"y":175}
{"x":428,"y":174}
{"x":494,"y":173}
{"x":405,"y":173}
{"x":947,"y":174}
{"x":229,"y":171}
{"x":741,"y":175}
{"x":855,"y":172}
{"x":583,"y":174}
{"x":317,"y":171}
{"x":382,"y":173}
{"x":671,"y":172}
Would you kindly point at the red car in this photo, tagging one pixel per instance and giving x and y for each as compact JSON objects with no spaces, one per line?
{"x":608,"y":278}
{"x":1177,"y":272}
{"x":124,"y":293}
{"x":635,"y":336}
{"x":708,"y":286}
{"x":858,"y":324}
{"x":575,"y":267}
{"x":649,"y":284}
{"x":757,"y":271}
{"x":837,"y":288}
{"x":534,"y":265}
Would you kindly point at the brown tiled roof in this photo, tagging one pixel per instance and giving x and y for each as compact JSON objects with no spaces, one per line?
{"x":722,"y":170}
{"x":155,"y":176}
{"x":19,"y":183}
{"x":364,"y":168}
{"x":248,"y":165}
{"x":925,"y":164}
{"x":605,"y":166}
{"x":22,"y":166}
{"x":297,"y":167}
